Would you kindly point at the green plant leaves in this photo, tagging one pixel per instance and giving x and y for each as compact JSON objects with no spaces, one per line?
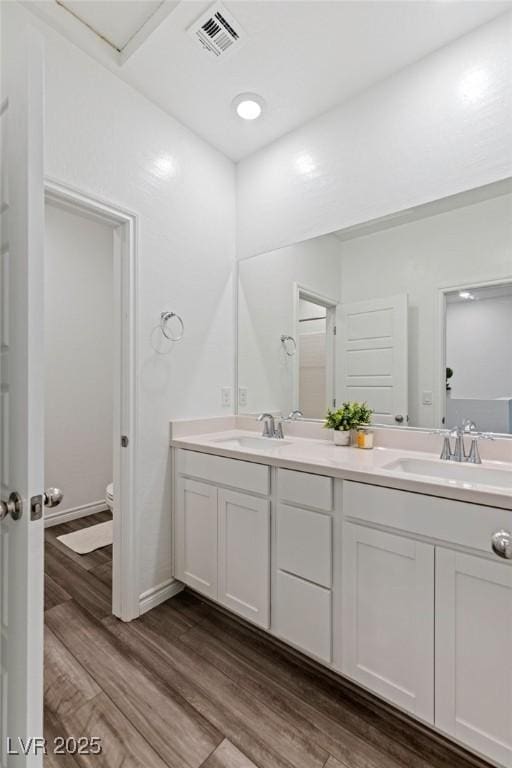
{"x":350,"y":416}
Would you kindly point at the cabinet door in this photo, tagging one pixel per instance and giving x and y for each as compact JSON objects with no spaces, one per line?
{"x":388,"y":617}
{"x":474,"y":652}
{"x":244,"y":555}
{"x":195,"y":528}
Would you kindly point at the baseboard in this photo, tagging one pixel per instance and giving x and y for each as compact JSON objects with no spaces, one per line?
{"x":159,"y":594}
{"x":58,"y":516}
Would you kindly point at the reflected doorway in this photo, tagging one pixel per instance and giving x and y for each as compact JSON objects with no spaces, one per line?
{"x":479,"y":357}
{"x":315,"y":354}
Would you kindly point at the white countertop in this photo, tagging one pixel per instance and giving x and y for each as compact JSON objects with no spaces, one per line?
{"x":367,"y":466}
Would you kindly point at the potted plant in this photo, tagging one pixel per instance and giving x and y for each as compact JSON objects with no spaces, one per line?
{"x":342,"y":421}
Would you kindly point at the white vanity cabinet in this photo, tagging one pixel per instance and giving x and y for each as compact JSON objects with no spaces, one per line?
{"x":388,"y":616}
{"x":195,"y":530}
{"x":244,"y":555}
{"x":474,"y":652}
{"x":399,"y":591}
{"x":427,"y":611}
{"x":302,"y":596}
{"x":222,"y":535}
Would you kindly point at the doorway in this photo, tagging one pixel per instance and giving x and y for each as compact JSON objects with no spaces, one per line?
{"x":315,"y":358}
{"x":90,"y":395}
{"x":477,"y":366}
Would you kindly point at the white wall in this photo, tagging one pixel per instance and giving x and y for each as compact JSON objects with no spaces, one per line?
{"x":107,"y":140}
{"x":266,"y":310}
{"x":479,"y":347}
{"x":437,"y":128}
{"x":78,"y":325}
{"x":464,"y":246}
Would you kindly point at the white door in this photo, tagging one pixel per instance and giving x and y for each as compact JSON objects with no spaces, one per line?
{"x":196,"y":535}
{"x":21,"y":361}
{"x":244,"y":555}
{"x":474,"y":652}
{"x":388,"y":617}
{"x":372,"y":357}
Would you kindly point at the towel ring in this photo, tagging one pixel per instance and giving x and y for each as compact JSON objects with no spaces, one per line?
{"x":286,"y":341}
{"x":164,"y":319}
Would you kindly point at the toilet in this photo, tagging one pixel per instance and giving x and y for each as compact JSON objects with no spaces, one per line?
{"x":109,"y":496}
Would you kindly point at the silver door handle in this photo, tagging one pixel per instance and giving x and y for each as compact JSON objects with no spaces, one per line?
{"x":502,"y":544}
{"x":52,"y":497}
{"x":13,"y":507}
{"x":399,"y":418}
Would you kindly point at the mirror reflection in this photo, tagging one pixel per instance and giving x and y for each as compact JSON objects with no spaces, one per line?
{"x":411,"y":313}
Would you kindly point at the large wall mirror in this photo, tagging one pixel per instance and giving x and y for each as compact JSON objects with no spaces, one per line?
{"x":411,"y":313}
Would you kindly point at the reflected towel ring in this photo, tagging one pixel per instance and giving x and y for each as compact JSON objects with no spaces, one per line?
{"x":164,"y":319}
{"x":286,"y":341}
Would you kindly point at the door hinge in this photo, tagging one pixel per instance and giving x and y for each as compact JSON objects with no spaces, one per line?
{"x":124,"y":441}
{"x":334,"y":331}
{"x":334,"y":402}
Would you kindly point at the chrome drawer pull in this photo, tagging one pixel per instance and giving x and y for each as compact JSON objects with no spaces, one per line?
{"x":502,"y":544}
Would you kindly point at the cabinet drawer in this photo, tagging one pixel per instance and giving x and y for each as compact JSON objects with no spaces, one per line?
{"x":302,"y":615}
{"x":304,"y":544}
{"x":217,"y":469}
{"x":459,"y":522}
{"x":304,"y":489}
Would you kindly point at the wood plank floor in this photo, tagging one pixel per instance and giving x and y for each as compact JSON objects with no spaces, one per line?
{"x":186,"y":686}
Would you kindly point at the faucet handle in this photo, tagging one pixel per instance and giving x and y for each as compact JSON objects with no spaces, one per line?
{"x":278,"y":432}
{"x":473,"y":456}
{"x":446,"y":452}
{"x":268,"y":424}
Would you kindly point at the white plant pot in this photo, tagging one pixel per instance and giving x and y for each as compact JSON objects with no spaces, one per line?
{"x":341,"y":437}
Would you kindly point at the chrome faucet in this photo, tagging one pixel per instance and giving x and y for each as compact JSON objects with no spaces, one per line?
{"x":467,"y":428}
{"x":269,"y":426}
{"x":294,"y":415}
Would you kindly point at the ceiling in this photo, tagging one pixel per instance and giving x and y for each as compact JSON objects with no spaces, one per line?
{"x":117,"y":22}
{"x":303,"y":58}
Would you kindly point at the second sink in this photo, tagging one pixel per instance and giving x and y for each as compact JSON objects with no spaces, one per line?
{"x":452,"y":472}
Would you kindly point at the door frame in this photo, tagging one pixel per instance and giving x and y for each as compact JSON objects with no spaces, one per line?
{"x":301,"y":291}
{"x":125,"y":560}
{"x":440,"y":341}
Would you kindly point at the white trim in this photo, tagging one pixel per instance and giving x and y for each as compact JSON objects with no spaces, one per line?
{"x":440,"y":342}
{"x":159,"y":594}
{"x":125,"y":566}
{"x":65,"y":515}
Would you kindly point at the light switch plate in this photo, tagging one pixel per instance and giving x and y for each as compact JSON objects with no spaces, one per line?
{"x":243,"y":396}
{"x":225,"y":397}
{"x":426,"y":398}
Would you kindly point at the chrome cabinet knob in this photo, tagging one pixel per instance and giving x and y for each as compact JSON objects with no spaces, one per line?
{"x":53,"y":497}
{"x":502,"y":544}
{"x":399,"y":418}
{"x":13,"y":507}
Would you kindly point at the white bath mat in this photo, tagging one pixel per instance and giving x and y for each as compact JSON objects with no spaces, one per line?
{"x":88,"y":539}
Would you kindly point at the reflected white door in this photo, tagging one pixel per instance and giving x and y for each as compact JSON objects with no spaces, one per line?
{"x":21,"y":372}
{"x":372,"y":357}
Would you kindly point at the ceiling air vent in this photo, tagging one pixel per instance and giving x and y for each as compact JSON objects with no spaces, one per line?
{"x":217,"y":32}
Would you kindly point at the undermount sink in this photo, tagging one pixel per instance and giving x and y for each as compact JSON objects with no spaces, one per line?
{"x":452,"y":472}
{"x":252,"y":443}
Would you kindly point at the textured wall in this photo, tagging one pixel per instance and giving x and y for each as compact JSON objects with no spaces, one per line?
{"x":105,"y":139}
{"x":437,"y":128}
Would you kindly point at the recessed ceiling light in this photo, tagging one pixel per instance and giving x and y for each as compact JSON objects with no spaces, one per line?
{"x":466,"y":295}
{"x":248,"y":106}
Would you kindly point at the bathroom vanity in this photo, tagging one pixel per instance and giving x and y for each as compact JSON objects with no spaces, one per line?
{"x":353,"y":557}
